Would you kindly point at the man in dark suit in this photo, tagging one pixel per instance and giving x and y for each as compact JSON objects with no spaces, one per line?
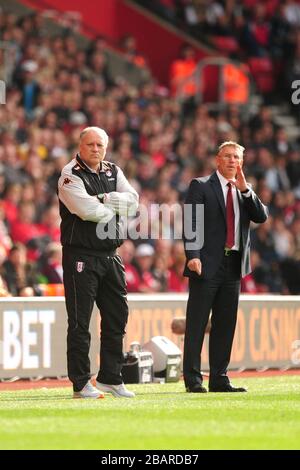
{"x":216,"y":264}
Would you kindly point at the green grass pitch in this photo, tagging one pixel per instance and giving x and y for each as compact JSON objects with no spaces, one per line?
{"x":162,"y":416}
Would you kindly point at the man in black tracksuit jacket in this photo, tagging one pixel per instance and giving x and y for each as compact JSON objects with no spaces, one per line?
{"x":93,"y":196}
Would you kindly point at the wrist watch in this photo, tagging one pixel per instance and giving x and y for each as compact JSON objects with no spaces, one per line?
{"x":246,"y":191}
{"x":101,"y":197}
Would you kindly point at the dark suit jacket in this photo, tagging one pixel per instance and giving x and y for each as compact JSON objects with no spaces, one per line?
{"x":208,"y":191}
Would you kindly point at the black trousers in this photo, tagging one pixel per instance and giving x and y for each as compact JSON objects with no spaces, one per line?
{"x":220,"y":295}
{"x":88,"y":279}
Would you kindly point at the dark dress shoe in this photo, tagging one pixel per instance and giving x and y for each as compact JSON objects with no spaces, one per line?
{"x":227,"y":388}
{"x":197,"y":388}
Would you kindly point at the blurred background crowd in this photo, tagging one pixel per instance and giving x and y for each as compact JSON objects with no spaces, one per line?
{"x":58,"y":88}
{"x":255,"y":28}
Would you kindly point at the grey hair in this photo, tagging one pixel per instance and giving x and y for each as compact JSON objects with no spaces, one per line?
{"x":99,"y":131}
{"x":234,"y":144}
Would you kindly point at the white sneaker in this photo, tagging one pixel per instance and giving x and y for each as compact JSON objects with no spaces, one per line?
{"x":119,"y":391}
{"x":88,"y":391}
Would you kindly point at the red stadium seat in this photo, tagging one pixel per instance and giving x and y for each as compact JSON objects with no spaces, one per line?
{"x":263,"y":73}
{"x":228,"y":45}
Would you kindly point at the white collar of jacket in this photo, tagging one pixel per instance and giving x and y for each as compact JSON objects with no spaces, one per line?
{"x":85,"y":167}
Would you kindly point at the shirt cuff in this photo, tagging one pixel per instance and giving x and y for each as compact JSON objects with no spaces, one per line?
{"x":247,"y":193}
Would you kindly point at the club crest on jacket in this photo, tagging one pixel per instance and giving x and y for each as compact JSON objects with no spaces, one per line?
{"x":79,"y":266}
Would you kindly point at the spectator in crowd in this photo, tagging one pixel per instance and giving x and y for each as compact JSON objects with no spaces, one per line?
{"x":182,"y":81}
{"x":51,"y":265}
{"x":12,"y":196}
{"x":5,"y":240}
{"x":127,"y":251}
{"x":21,"y":277}
{"x":129,"y":48}
{"x":256,"y":282}
{"x":3,"y":287}
{"x":144,"y":258}
{"x":177,"y":283}
{"x":24,"y":229}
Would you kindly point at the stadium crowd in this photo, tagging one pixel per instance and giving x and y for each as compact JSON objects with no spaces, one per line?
{"x":260,"y":28}
{"x":57,"y":89}
{"x":263,"y":35}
